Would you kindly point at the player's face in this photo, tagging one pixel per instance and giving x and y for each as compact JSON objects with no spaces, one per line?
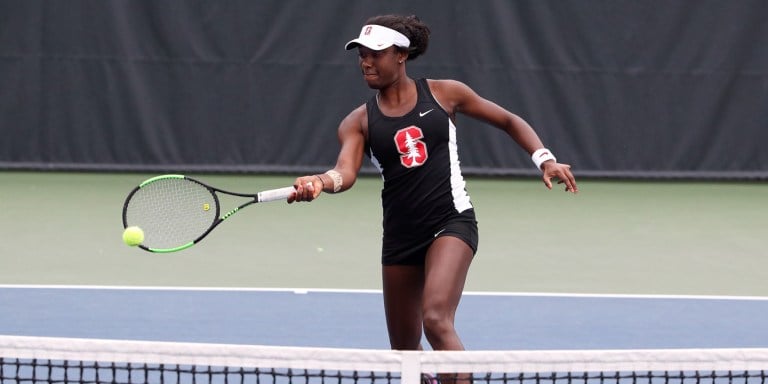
{"x":380,"y":68}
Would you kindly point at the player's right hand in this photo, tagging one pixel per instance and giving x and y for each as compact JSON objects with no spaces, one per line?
{"x":307,"y":188}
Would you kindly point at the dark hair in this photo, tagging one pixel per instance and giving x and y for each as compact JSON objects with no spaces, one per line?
{"x":410,"y":26}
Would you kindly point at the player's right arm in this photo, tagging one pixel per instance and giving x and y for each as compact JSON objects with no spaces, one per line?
{"x":351,"y":136}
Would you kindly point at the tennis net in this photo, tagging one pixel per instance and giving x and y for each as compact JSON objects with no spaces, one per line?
{"x":65,"y":360}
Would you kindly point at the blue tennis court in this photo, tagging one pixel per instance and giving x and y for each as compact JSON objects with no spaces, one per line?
{"x":627,"y":276}
{"x":625,"y":283}
{"x":354,"y":319}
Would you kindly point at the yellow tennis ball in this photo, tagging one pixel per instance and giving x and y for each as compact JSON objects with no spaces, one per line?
{"x":133,"y":236}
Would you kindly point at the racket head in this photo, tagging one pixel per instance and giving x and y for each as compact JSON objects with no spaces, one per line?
{"x":174,"y":211}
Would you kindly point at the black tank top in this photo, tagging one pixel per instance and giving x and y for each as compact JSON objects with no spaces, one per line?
{"x":418,"y":159}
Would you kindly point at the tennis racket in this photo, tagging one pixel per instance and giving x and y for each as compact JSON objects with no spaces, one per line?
{"x":176,"y":212}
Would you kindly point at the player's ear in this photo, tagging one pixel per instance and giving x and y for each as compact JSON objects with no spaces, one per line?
{"x":402,"y":55}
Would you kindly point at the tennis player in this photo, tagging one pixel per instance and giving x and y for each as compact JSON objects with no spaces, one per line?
{"x":407,"y":130}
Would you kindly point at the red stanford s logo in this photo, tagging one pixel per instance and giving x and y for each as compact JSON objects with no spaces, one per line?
{"x":413,"y":150}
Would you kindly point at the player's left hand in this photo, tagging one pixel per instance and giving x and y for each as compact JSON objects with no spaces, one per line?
{"x":562,"y":172}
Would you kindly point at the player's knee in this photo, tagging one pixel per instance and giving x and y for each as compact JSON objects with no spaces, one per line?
{"x":437,"y":325}
{"x":405,"y":338}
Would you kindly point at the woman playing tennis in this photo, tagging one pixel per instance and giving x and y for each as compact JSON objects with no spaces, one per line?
{"x":407,"y":130}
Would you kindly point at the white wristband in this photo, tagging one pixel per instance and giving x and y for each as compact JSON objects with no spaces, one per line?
{"x":337,"y":180}
{"x":541,"y":155}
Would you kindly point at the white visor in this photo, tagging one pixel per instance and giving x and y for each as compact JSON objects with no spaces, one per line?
{"x":378,"y":37}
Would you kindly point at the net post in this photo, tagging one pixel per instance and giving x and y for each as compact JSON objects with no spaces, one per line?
{"x":410,"y":371}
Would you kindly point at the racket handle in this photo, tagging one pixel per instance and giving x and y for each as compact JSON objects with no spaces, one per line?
{"x":275,"y":194}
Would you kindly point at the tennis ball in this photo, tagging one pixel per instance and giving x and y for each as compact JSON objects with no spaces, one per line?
{"x":133,"y":236}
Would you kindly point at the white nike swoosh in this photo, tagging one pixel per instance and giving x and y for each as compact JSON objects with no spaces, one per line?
{"x":422,"y":114}
{"x":440,"y":231}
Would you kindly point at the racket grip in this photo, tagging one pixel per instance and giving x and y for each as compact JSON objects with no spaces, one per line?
{"x":275,"y":194}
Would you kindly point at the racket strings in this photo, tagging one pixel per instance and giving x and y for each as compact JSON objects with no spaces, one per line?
{"x":171,"y":212}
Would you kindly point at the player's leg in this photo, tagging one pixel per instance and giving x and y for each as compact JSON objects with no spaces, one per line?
{"x":446,"y":268}
{"x":403,"y":286}
{"x":447,"y":263}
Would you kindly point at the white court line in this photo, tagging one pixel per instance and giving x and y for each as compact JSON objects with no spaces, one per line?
{"x":378,"y":291}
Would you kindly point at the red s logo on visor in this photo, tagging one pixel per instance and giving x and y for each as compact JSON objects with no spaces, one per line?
{"x":413,"y":151}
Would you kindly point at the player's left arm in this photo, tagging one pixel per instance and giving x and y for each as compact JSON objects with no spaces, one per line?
{"x":457,"y":97}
